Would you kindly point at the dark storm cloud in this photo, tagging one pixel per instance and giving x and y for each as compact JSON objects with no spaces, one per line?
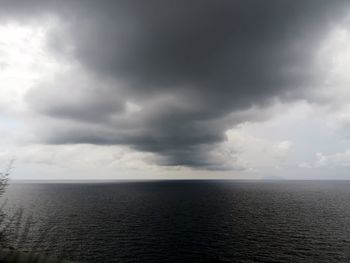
{"x":193,"y":67}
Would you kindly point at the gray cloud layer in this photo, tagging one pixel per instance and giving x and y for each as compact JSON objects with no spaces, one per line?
{"x":194,"y":68}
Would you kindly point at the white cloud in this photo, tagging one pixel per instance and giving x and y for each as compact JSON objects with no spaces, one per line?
{"x":24,"y":61}
{"x":333,"y":64}
{"x":339,"y":159}
{"x":254,"y":153}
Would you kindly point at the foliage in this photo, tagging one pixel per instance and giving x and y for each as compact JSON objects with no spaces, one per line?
{"x":4,"y":176}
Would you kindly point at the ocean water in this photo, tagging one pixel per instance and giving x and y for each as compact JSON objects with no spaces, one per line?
{"x":183,"y":221}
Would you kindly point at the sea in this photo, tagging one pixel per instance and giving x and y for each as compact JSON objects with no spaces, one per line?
{"x":180,"y":221}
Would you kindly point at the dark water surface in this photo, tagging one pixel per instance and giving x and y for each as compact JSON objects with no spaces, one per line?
{"x":187,"y":221}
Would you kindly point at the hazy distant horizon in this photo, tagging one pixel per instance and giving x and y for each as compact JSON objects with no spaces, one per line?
{"x":167,"y":180}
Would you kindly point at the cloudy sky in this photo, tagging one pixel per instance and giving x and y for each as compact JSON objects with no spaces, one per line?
{"x":133,"y":89}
